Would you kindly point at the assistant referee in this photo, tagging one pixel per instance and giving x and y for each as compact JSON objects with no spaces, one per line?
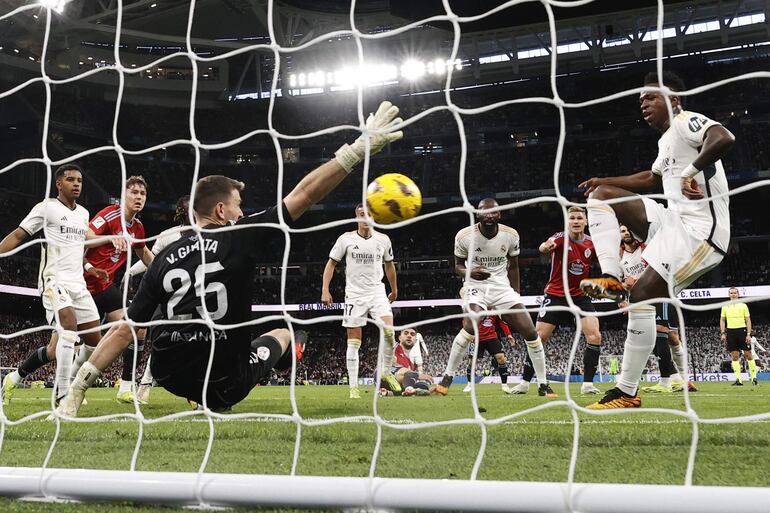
{"x":735,"y":325}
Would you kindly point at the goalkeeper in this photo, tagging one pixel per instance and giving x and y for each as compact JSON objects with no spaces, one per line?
{"x":218,"y":266}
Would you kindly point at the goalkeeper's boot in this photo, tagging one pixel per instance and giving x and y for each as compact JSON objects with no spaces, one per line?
{"x":738,"y":383}
{"x":443,"y":387}
{"x":521,"y":388}
{"x":657,"y":389}
{"x":143,"y":393}
{"x":589,"y":389}
{"x":606,"y":286}
{"x":354,"y":393}
{"x":545,"y":390}
{"x":391,"y":383}
{"x":616,"y":398}
{"x":9,"y":387}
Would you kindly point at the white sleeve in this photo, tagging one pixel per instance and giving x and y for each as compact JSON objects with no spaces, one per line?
{"x":137,"y":268}
{"x":692,"y":127}
{"x":657,"y":166}
{"x":514,"y":249}
{"x":159,"y":245}
{"x":388,"y":256}
{"x":33,"y":223}
{"x":421,"y":343}
{"x":461,"y":246}
{"x":338,"y":250}
{"x":415,"y":355}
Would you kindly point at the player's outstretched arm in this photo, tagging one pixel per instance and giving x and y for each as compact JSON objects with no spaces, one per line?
{"x":13,"y":240}
{"x":644,"y":181}
{"x":326,"y":296}
{"x":324,"y":179}
{"x":547,"y":246}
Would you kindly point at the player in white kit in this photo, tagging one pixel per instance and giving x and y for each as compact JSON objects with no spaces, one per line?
{"x":365,"y":252}
{"x":67,"y":302}
{"x":684,"y":240}
{"x":486,"y":256}
{"x":417,"y":351}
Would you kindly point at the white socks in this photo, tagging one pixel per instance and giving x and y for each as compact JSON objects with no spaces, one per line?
{"x":84,"y":354}
{"x":389,"y":349}
{"x":147,"y":376}
{"x":126,"y":385}
{"x":537,"y":355}
{"x":65,"y":354}
{"x":605,"y":234}
{"x":640,"y":340}
{"x":459,"y":348}
{"x":679,"y":356}
{"x":351,"y":359}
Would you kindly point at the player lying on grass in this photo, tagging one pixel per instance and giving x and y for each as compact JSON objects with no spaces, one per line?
{"x":218,"y":265}
{"x":411,"y":382}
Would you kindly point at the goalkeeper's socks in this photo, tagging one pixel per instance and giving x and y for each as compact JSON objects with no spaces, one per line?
{"x":126,"y":385}
{"x":537,"y":355}
{"x":605,"y":234}
{"x":34,"y":361}
{"x":84,"y":354}
{"x":640,"y":340}
{"x":590,"y":362}
{"x":65,"y":355}
{"x":752,"y":369}
{"x":351,"y":360}
{"x":127,"y":373}
{"x":147,"y":376}
{"x":679,"y":356}
{"x":736,"y":364}
{"x":459,"y":347}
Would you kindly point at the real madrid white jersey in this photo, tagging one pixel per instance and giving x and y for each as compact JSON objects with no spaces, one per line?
{"x":364,"y":258}
{"x":632,"y":262}
{"x":61,"y":257}
{"x":490,"y":254}
{"x":677,"y":148}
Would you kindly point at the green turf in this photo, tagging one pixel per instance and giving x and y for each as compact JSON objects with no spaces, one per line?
{"x":639,"y":447}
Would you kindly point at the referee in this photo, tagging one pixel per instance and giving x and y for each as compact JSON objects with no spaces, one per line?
{"x":735,"y":325}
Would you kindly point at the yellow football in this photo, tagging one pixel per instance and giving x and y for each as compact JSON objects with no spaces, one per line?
{"x":393,"y":197}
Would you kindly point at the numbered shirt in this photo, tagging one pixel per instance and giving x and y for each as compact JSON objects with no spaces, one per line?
{"x":677,"y":148}
{"x":490,"y":254}
{"x":364,"y":259}
{"x":632,"y":262}
{"x":61,"y":257}
{"x":179,"y":277}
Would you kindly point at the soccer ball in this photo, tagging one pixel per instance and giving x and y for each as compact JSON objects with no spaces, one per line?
{"x":393,"y":197}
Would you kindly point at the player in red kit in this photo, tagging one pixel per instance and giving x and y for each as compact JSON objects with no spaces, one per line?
{"x":101,"y":264}
{"x":405,"y":371}
{"x":580,"y":255}
{"x":490,"y":341}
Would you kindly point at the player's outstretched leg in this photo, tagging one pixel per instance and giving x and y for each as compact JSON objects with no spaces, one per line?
{"x":459,"y":346}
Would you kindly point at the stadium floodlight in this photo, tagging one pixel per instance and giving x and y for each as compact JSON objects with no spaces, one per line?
{"x":56,"y":5}
{"x":412,"y":69}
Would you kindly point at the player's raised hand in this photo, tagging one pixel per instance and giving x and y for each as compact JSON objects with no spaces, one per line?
{"x":379,"y":126}
{"x":589,"y":185}
{"x":690,"y":188}
{"x":548,"y":246}
{"x":326,"y":297}
{"x":478,"y":273}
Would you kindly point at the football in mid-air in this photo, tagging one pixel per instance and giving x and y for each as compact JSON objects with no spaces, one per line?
{"x":393,"y":197}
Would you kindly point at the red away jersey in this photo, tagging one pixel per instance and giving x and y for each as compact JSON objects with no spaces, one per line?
{"x":580,"y":254}
{"x":488,"y":325}
{"x":402,"y":358}
{"x":107,"y":222}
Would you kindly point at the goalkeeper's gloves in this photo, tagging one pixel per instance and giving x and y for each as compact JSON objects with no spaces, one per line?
{"x":350,"y":155}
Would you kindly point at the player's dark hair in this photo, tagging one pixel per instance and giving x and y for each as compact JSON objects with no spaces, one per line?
{"x":214,"y":189}
{"x":670,"y":80}
{"x":59,"y":173}
{"x":136,"y":180}
{"x":180,"y":213}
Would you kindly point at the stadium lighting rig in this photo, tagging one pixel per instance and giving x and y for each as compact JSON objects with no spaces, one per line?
{"x":56,"y":5}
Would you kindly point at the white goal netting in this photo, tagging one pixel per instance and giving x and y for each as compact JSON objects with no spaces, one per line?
{"x":287,"y":486}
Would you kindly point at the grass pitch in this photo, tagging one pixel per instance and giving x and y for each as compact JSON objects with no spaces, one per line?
{"x":633,"y":447}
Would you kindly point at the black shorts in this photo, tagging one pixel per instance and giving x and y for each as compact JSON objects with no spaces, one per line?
{"x":736,"y":340}
{"x":109,"y":300}
{"x":492,"y":346}
{"x":227,"y":389}
{"x":562,"y":317}
{"x":665,"y":315}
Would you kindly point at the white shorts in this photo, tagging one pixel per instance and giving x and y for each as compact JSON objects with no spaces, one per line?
{"x":56,"y":298}
{"x":674,"y":250}
{"x":356,"y":310}
{"x":490,"y":295}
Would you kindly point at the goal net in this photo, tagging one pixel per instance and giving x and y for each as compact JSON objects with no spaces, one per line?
{"x":300,"y":446}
